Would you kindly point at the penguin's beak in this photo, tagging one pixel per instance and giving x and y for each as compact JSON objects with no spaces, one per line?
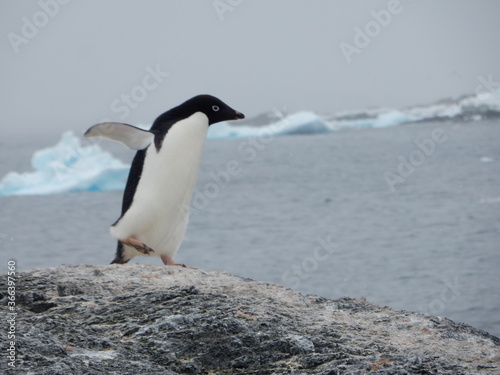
{"x":238,"y":115}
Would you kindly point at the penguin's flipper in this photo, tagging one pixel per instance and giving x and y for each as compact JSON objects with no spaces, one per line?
{"x":131,"y":136}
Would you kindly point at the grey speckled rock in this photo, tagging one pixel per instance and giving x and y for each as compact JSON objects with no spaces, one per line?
{"x":138,"y":319}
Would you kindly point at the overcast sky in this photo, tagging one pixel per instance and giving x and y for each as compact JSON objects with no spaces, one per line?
{"x":68,"y":66}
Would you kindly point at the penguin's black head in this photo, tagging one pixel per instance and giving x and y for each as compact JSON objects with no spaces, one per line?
{"x":215,"y":109}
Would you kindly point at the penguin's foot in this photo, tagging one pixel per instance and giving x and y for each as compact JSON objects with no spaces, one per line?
{"x":138,"y":245}
{"x":168,"y":261}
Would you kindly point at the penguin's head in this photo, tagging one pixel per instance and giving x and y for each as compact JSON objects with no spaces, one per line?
{"x":215,"y":109}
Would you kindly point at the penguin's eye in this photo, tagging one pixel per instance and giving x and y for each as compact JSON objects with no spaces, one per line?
{"x":215,"y":108}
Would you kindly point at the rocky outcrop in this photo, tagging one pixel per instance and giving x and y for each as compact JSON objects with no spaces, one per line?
{"x":139,"y":319}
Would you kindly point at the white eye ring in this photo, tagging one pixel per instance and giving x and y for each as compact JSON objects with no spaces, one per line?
{"x":215,"y":108}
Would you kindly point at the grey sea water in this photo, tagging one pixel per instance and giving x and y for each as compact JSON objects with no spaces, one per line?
{"x":312,"y":212}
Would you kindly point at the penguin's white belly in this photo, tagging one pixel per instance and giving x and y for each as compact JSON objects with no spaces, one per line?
{"x":159,"y":213}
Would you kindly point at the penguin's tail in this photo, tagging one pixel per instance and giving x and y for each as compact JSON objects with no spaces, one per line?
{"x":119,"y":256}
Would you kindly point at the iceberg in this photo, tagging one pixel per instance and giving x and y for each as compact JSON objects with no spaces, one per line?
{"x":303,"y":122}
{"x":67,"y":167}
{"x":470,"y":108}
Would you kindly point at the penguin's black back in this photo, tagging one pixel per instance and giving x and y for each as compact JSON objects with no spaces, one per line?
{"x":133,"y":179}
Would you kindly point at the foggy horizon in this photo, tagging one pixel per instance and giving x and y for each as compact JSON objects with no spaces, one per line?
{"x":70,"y":64}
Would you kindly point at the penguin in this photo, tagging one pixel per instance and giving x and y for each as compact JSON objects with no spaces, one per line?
{"x":155,"y":207}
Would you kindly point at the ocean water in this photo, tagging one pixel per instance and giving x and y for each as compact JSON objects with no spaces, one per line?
{"x":327,"y":213}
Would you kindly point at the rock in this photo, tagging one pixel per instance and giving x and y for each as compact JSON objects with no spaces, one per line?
{"x":140,"y":319}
